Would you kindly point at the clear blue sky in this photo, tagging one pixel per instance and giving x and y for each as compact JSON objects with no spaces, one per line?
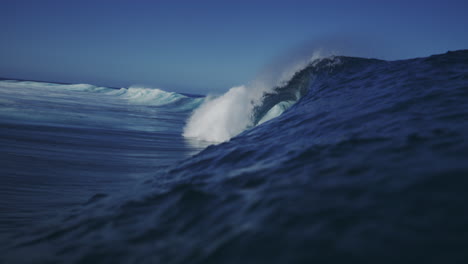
{"x":201,"y":46}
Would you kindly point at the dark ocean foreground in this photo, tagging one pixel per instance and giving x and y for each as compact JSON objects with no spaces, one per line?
{"x":369,"y":166}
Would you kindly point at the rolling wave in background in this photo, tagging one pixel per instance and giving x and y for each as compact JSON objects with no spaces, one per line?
{"x":64,"y":143}
{"x":344,"y":159}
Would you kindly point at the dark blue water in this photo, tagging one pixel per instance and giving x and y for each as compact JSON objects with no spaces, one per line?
{"x":370,"y":165}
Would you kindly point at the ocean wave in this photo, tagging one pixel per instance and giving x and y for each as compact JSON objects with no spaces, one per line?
{"x":372,"y":156}
{"x":133,"y":94}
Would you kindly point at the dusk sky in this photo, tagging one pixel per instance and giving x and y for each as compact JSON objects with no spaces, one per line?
{"x":209,"y":46}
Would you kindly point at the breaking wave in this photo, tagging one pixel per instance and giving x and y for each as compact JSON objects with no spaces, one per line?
{"x":134,"y":94}
{"x":220,"y":118}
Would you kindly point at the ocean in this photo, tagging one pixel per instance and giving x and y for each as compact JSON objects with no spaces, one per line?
{"x":338,"y":160}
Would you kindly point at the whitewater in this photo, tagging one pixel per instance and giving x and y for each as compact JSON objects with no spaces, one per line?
{"x":330,"y":159}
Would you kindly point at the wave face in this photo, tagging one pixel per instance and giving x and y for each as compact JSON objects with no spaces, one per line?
{"x":369,"y":165}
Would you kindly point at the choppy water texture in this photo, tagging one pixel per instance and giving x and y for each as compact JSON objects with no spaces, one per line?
{"x":370,"y":165}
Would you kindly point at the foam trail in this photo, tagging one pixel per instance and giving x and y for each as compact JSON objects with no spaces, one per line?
{"x":219,"y":119}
